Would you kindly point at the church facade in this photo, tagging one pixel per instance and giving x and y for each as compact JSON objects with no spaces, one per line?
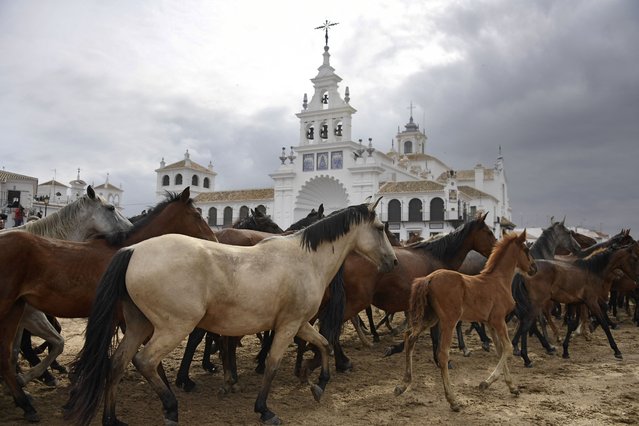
{"x":422,"y":196}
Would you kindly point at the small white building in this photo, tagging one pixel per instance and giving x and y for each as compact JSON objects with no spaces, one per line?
{"x":421,"y":194}
{"x":16,"y":191}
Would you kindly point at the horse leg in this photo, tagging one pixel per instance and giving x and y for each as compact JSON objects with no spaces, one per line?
{"x":8,"y":329}
{"x":357,"y":324}
{"x":598,"y":311}
{"x":460,"y":339}
{"x":209,"y":349}
{"x":410,"y":338}
{"x":499,"y":331}
{"x":38,"y":324}
{"x":281,"y":340}
{"x":371,"y":323}
{"x":549,"y":348}
{"x":267,"y":341}
{"x":481,"y":331}
{"x":572,"y":323}
{"x":183,"y":380}
{"x":342,"y":362}
{"x":28,"y":352}
{"x":229,"y":364}
{"x":309,"y":334}
{"x":147,"y":361}
{"x":446,"y":339}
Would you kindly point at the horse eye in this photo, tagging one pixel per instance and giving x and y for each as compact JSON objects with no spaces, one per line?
{"x":110,"y":208}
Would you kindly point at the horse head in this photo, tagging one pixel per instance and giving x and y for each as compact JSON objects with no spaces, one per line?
{"x":525,"y":261}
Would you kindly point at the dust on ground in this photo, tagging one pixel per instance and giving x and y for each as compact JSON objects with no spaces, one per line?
{"x":592,"y":387}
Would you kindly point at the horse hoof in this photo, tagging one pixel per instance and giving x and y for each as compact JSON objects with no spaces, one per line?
{"x":455,"y":407}
{"x":486,"y":346}
{"x":32,"y":417}
{"x":260,"y":369}
{"x":551,"y":351}
{"x":515,"y":391}
{"x":317,"y":392}
{"x":60,"y":368}
{"x":272,"y":421}
{"x":528,"y":364}
{"x":516,"y":352}
{"x":168,"y":422}
{"x":565,"y":356}
{"x":344,"y":367}
{"x":399,"y":389}
{"x":618,"y":355}
{"x":52,"y":382}
{"x":211,"y":368}
{"x":483,"y":385}
{"x":467,"y":353}
{"x":376,"y":339}
{"x":187,"y":385}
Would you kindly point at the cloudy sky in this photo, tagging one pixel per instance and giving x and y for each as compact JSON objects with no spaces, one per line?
{"x":113,"y":87}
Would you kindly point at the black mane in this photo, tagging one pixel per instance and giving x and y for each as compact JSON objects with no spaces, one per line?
{"x":334,"y":226}
{"x":447,"y":246}
{"x":118,"y":238}
{"x":597,"y":261}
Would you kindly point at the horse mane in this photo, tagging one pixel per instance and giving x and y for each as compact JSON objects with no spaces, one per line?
{"x":445,"y":247}
{"x":497,"y":252}
{"x":596,"y":261}
{"x":118,"y":238}
{"x":58,"y":224}
{"x":334,"y":226}
{"x":243,"y":222}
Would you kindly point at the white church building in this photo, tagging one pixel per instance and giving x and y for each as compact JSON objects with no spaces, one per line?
{"x":422,"y":195}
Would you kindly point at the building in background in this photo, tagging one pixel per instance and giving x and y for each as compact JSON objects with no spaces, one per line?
{"x":422,"y":195}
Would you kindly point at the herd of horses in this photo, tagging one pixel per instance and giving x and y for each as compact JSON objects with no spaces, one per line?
{"x":88,"y":261}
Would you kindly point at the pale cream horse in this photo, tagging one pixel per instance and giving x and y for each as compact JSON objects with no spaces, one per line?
{"x":171,"y":284}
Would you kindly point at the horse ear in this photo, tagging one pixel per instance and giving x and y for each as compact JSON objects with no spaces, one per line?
{"x":320,"y":210}
{"x":313,"y":212}
{"x":186,"y":195}
{"x":483,"y":217}
{"x":371,"y":207}
{"x":90,"y":192}
{"x":522,"y":236}
{"x":563,"y":221}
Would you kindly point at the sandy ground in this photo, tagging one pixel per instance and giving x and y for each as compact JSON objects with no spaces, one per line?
{"x":591,"y":388}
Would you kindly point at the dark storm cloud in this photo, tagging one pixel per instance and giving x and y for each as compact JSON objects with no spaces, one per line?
{"x":555,"y":85}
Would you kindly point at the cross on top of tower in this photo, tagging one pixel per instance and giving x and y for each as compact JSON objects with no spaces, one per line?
{"x":324,"y":27}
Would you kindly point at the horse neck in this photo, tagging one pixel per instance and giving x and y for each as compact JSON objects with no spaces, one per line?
{"x":545,"y":246}
{"x":504,"y":266}
{"x":329,"y":256}
{"x":54,"y":227}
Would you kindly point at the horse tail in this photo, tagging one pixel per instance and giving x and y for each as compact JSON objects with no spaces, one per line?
{"x":523,"y":305}
{"x":92,"y":367}
{"x":419,"y":308}
{"x":331,"y":315}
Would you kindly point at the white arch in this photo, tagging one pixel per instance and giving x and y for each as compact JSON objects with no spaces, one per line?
{"x":322,"y":189}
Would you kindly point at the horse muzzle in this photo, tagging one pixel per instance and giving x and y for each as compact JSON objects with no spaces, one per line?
{"x":388,"y":264}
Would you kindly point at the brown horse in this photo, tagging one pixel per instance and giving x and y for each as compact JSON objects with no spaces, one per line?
{"x":584,"y":281}
{"x":60,"y":277}
{"x":447,"y":297}
{"x":365,"y":285}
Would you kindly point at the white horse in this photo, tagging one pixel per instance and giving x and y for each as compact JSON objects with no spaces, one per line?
{"x":88,"y":216}
{"x":277,"y":284}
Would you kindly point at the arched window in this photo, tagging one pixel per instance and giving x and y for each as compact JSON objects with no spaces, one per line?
{"x":116,"y":199}
{"x":437,"y":209}
{"x":110,"y":199}
{"x":165,"y":180}
{"x":205,"y":182}
{"x":408,"y":147}
{"x":228,"y":216}
{"x":415,"y":210}
{"x":325,"y":99}
{"x":195,"y":181}
{"x":244,"y":212}
{"x":178,"y":179}
{"x":394,"y":211}
{"x":212,"y":216}
{"x":310,"y":132}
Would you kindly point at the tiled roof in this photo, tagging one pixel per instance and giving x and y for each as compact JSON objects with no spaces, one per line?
{"x":411,"y":186}
{"x":473,"y":192}
{"x":54,"y":182}
{"x":107,"y":186}
{"x":182,"y":165}
{"x":489,"y":174}
{"x":239,"y":195}
{"x":5,"y":176}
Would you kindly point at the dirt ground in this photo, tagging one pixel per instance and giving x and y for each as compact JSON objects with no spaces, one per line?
{"x":590,"y":388}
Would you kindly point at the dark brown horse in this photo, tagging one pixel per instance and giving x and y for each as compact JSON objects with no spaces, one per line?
{"x":446,"y":297}
{"x":584,"y":281}
{"x":60,"y":277}
{"x":365,"y":286}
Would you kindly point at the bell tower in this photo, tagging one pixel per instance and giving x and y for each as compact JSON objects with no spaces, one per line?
{"x":327,"y":117}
